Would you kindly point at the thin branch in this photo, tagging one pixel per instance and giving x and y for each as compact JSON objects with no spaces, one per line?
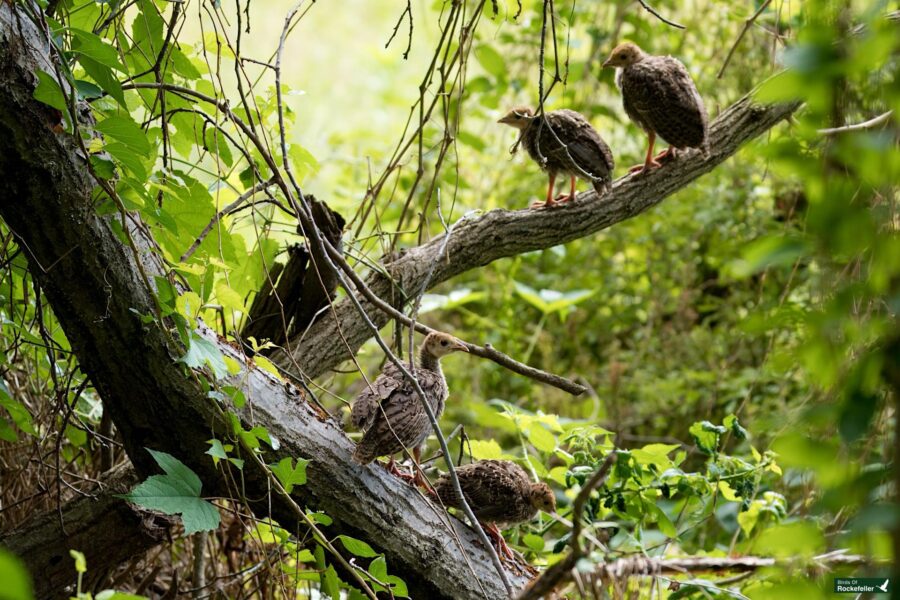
{"x":870,"y":124}
{"x":650,"y":10}
{"x":238,"y":202}
{"x":747,"y":24}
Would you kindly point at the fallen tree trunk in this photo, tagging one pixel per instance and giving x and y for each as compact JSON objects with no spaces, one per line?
{"x":99,"y":287}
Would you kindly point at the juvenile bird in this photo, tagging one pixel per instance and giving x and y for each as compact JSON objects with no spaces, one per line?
{"x":500,"y":494}
{"x":661,"y":98}
{"x":390,"y":412}
{"x":563,"y":142}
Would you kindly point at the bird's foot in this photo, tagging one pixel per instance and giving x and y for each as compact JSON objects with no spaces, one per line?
{"x":665,"y":155}
{"x":564,"y":198}
{"x":638,"y":169}
{"x":548,"y":204}
{"x":503,"y":549}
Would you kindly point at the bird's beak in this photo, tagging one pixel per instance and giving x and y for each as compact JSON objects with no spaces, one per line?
{"x":607,"y":62}
{"x":505,"y":119}
{"x":459,"y":345}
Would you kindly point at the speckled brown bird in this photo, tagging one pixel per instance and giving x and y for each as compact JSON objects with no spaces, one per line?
{"x":500,"y":494}
{"x":389,"y":410}
{"x":661,"y":98}
{"x":563,"y":142}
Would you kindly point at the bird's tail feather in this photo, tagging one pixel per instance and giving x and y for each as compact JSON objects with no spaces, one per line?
{"x":601,"y":186}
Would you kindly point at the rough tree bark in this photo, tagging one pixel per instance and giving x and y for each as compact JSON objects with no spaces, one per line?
{"x":99,"y":286}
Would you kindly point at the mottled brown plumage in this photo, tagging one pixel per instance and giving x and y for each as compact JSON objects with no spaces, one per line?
{"x":563,"y":142}
{"x":660,"y":97}
{"x":500,"y":494}
{"x":389,"y":410}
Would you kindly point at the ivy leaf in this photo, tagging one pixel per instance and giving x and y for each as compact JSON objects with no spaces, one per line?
{"x":201,"y":353}
{"x":176,"y":492}
{"x":290,"y":475}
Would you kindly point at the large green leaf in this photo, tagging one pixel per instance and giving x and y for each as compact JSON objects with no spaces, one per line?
{"x":176,"y":492}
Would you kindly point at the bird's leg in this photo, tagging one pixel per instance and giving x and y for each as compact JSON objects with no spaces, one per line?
{"x":649,"y":161}
{"x":502,"y":547}
{"x":391,"y":467}
{"x":571,"y":194}
{"x":550,"y":201}
{"x":419,"y":478}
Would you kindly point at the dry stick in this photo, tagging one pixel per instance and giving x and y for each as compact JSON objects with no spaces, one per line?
{"x":487,"y":351}
{"x":747,"y":24}
{"x":641,"y":565}
{"x":650,"y":10}
{"x":871,"y":123}
{"x":263,"y":185}
{"x":558,"y":572}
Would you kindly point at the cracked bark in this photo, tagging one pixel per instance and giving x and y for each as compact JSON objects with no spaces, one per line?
{"x":96,"y":289}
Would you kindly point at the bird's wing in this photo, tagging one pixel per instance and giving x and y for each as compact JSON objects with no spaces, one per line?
{"x":659,"y":91}
{"x":584,"y":145}
{"x":367,"y":401}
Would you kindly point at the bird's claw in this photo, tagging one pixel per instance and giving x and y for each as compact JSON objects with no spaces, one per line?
{"x":564,"y":198}
{"x":638,"y":169}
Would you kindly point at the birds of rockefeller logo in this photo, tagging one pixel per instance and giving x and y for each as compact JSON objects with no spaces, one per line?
{"x":862,"y":585}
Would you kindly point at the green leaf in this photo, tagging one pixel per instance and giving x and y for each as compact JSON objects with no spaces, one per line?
{"x":288,"y":474}
{"x":534,"y":542}
{"x":88,"y":44}
{"x":123,"y":129}
{"x":49,"y":92}
{"x":176,"y":492}
{"x":491,"y":60}
{"x":732,"y":423}
{"x":218,"y":450}
{"x":706,"y":436}
{"x":80,"y":561}
{"x":16,"y":581}
{"x":774,"y":251}
{"x":202,"y":353}
{"x":486,"y":449}
{"x":104,"y":77}
{"x":542,"y":439}
{"x":357,"y":547}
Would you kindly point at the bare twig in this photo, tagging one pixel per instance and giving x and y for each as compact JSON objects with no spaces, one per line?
{"x":870,"y":124}
{"x":238,"y":202}
{"x":650,"y":10}
{"x":747,"y":24}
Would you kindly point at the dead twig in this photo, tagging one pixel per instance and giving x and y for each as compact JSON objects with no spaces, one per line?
{"x":747,"y":24}
{"x":650,"y":10}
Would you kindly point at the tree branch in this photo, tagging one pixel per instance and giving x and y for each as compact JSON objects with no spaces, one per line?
{"x":503,"y":233}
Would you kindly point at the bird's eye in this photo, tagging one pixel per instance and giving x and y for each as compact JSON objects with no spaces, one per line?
{"x":443,"y":342}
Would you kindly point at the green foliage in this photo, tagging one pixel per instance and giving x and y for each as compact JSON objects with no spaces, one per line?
{"x":15,"y":578}
{"x":176,"y":492}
